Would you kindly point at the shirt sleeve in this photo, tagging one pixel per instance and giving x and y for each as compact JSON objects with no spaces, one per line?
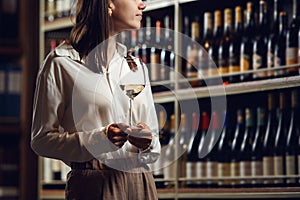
{"x":47,"y":139}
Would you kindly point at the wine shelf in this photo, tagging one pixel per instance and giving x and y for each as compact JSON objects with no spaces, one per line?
{"x":208,"y":193}
{"x":231,"y":89}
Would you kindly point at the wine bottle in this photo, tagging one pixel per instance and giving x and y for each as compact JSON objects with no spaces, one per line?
{"x":186,"y":31}
{"x":280,"y":46}
{"x":170,"y":169}
{"x":133,"y":41}
{"x":212,"y":148}
{"x":192,"y":151}
{"x":291,"y":140}
{"x":235,"y":46}
{"x":213,"y":52}
{"x":146,"y":49}
{"x":50,"y":10}
{"x":268,"y":143}
{"x":292,"y":39}
{"x":257,"y":148}
{"x":235,"y":147}
{"x":182,"y":148}
{"x":260,"y":46}
{"x":206,"y":45}
{"x":164,"y":140}
{"x":167,"y":55}
{"x":223,"y":57}
{"x":273,"y":38}
{"x":59,"y":8}
{"x":155,"y":69}
{"x":67,"y":8}
{"x":56,"y":169}
{"x":246,"y":148}
{"x":280,"y":138}
{"x":201,"y":162}
{"x":138,"y":51}
{"x":224,"y":152}
{"x":192,"y":50}
{"x":247,"y":43}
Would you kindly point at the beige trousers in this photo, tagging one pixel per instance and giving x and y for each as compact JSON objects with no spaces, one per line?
{"x":110,"y":184}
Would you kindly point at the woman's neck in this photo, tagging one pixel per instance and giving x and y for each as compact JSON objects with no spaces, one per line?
{"x":111,"y":48}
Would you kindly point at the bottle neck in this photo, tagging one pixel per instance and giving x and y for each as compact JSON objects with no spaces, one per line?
{"x":218,"y":25}
{"x":227,"y":21}
{"x":296,"y":9}
{"x":238,"y":19}
{"x":207,"y":25}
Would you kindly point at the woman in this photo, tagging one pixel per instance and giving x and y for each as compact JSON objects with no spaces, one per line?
{"x":75,"y":107}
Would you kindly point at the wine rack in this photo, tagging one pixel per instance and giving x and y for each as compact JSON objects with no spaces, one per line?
{"x":178,"y":192}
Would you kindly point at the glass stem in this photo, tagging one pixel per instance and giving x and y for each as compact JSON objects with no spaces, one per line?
{"x":130,"y":112}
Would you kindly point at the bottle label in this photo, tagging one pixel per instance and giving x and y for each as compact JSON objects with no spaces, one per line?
{"x":234,"y":68}
{"x":292,"y":58}
{"x":278,"y":168}
{"x":211,"y":171}
{"x":256,"y":171}
{"x":154,"y":67}
{"x":290,"y":168}
{"x":268,"y":168}
{"x":59,"y":6}
{"x":192,"y":63}
{"x":245,"y":171}
{"x":169,"y":171}
{"x":234,"y":64}
{"x":223,"y":70}
{"x":191,"y":171}
{"x":223,"y":171}
{"x":245,"y":63}
{"x":213,"y":71}
{"x":172,"y":76}
{"x":162,"y":73}
{"x":234,"y":172}
{"x":200,"y":171}
{"x":257,"y":65}
{"x":203,"y":63}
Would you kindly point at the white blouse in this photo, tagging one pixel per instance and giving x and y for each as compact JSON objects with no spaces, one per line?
{"x":74,"y":104}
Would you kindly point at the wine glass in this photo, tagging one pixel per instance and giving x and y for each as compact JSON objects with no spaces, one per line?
{"x":132,"y":83}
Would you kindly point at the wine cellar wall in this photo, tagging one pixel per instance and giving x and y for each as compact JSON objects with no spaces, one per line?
{"x":247,"y":49}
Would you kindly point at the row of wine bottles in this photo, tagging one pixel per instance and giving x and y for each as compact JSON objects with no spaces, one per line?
{"x":247,"y":49}
{"x":256,"y":147}
{"x":55,"y":9}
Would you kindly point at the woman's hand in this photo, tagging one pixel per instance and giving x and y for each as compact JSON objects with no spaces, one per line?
{"x":116,"y":134}
{"x":140,"y":137}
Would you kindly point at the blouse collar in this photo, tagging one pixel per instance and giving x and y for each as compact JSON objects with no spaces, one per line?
{"x":65,"y":49}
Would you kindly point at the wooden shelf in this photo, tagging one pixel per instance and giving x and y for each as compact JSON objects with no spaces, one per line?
{"x":10,"y":129}
{"x":57,"y":24}
{"x":158,"y":4}
{"x":231,"y":89}
{"x":249,"y":193}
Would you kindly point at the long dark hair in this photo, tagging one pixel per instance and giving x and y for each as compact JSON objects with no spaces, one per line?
{"x":91,"y":28}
